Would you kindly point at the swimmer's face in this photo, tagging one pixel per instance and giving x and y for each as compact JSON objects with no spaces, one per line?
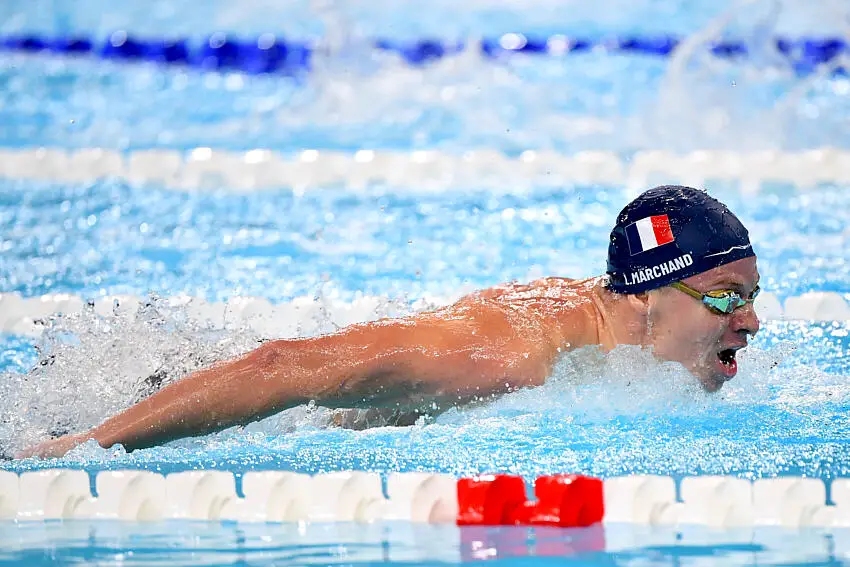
{"x":682,"y":329}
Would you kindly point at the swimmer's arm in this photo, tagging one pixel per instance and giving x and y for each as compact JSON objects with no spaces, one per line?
{"x":378,"y":364}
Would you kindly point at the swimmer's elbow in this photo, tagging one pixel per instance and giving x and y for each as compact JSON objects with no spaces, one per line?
{"x":320,"y":368}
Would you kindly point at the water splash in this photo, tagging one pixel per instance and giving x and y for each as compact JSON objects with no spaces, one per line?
{"x":91,"y":366}
{"x":757,"y":102}
{"x":602,"y":414}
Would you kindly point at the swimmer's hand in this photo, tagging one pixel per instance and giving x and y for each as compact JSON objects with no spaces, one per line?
{"x":53,"y":448}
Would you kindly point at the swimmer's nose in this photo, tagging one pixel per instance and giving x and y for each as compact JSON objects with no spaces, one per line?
{"x":745,"y":320}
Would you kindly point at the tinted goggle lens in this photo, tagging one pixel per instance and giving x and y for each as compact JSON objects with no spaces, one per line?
{"x":727,"y":301}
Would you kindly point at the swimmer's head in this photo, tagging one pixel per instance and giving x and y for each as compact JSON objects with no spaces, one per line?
{"x":670,"y":246}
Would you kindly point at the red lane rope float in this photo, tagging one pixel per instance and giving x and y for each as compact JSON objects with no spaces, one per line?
{"x":562,"y":500}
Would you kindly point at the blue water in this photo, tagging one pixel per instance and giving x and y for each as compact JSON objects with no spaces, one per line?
{"x":455,"y":105}
{"x":785,"y":414}
{"x":359,"y":98}
{"x":303,"y":18}
{"x":187,"y":543}
{"x":111,"y":238}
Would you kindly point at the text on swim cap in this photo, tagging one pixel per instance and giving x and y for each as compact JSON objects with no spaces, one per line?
{"x":655,"y":272}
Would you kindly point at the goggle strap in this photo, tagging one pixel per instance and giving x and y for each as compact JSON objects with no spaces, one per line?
{"x":692,"y":292}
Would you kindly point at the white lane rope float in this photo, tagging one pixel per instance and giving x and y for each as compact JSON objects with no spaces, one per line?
{"x":205,"y":168}
{"x":24,"y":316}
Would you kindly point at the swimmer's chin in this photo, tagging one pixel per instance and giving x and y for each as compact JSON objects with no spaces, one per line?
{"x":712,"y":379}
{"x":712,"y":384}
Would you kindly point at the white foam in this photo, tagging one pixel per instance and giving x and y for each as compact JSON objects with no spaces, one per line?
{"x":92,"y":365}
{"x":300,"y":316}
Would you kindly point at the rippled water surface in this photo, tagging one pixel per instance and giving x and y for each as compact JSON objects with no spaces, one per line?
{"x":786,"y":413}
{"x":606,"y":417}
{"x":185,"y":543}
{"x":111,"y":238}
{"x":356,"y":97}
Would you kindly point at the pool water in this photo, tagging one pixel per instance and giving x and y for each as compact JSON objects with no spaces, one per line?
{"x":786,"y":412}
{"x":201,"y":543}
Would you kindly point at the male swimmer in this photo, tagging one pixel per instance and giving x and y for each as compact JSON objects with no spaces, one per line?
{"x":681,"y":280}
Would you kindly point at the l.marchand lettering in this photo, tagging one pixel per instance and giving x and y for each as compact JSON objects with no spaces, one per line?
{"x":662,"y":269}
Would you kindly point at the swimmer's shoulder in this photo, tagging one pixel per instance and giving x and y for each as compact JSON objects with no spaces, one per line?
{"x":567,"y":283}
{"x":540,"y":317}
{"x":547,"y":289}
{"x":568,"y":288}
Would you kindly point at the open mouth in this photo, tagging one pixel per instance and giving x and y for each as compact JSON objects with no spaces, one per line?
{"x":728,"y":364}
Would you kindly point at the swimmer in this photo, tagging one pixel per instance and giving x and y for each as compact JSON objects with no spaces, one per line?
{"x":681,"y":280}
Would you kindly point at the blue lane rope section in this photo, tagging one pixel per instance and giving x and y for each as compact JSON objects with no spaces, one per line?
{"x":272,"y":54}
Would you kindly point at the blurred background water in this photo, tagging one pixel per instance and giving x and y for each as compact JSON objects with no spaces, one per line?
{"x":785,"y":414}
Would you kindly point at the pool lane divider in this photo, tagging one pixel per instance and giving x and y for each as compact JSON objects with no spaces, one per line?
{"x":567,"y":501}
{"x":268,"y":53}
{"x":208,"y":169}
{"x":562,"y":500}
{"x":307,"y":315}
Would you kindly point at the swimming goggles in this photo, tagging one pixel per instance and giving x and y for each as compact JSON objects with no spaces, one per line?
{"x":721,"y":301}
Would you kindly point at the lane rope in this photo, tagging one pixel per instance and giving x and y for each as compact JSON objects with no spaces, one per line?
{"x":204,"y":168}
{"x":26,"y":316}
{"x":268,"y":53}
{"x":562,"y":500}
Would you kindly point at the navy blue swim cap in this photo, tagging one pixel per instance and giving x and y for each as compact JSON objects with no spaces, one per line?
{"x":670,"y":233}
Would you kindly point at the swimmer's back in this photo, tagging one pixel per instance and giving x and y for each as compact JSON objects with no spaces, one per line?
{"x":543,"y":289}
{"x":560,"y":309}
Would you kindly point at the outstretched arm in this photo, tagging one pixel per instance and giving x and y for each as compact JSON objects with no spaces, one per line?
{"x":449,"y":355}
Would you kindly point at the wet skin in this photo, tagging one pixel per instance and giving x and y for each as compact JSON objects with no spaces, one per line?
{"x":488,"y":343}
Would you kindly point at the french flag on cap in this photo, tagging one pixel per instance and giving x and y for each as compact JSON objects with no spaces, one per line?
{"x":649,"y":233}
